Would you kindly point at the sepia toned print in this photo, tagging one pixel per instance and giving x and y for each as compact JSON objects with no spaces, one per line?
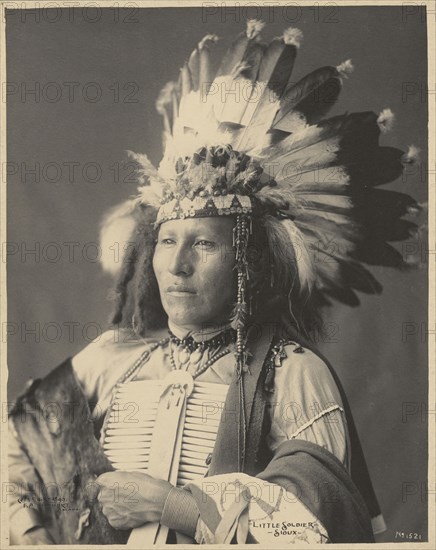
{"x":259,"y":372}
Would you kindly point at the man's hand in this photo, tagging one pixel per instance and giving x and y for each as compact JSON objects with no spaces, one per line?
{"x":35,"y":536}
{"x":130,"y":499}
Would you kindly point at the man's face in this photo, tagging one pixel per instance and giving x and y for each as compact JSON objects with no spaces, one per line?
{"x":194,"y":265}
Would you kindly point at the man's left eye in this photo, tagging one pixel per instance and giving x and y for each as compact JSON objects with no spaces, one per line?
{"x":205,"y":244}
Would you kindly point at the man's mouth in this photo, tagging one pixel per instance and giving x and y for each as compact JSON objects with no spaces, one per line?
{"x":177,"y":290}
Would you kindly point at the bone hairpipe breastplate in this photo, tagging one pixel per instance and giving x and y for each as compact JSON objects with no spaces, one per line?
{"x":132,"y":442}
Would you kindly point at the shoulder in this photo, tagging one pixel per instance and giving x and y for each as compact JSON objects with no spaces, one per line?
{"x":108,"y":357}
{"x":306,"y":402}
{"x":120,"y":342}
{"x":298,"y":360}
{"x":108,"y":346}
{"x":302,"y":373}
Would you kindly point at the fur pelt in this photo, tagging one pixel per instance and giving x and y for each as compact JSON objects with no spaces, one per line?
{"x":54,"y":427}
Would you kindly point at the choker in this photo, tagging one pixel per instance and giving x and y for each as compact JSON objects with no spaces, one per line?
{"x":225,"y":338}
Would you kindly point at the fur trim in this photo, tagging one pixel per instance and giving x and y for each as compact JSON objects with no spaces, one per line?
{"x":293,"y":37}
{"x":385,"y":121}
{"x":254,"y":27}
{"x":345,"y":68}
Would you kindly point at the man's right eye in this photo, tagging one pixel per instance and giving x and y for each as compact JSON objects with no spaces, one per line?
{"x":167,"y":241}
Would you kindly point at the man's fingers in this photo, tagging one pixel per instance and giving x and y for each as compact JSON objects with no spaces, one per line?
{"x":100,"y":501}
{"x":115,"y":523}
{"x":104,"y":479}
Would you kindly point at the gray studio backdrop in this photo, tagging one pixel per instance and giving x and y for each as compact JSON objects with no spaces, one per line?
{"x":81,"y":90}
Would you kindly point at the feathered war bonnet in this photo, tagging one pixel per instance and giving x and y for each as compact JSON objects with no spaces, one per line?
{"x":247,"y":142}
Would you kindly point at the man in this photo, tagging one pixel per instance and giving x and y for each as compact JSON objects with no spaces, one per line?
{"x":232,"y":428}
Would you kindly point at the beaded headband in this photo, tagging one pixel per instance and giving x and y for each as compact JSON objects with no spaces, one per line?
{"x":203,"y":206}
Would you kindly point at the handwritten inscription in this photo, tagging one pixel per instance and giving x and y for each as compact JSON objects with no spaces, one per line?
{"x":408,"y":536}
{"x":60,"y":503}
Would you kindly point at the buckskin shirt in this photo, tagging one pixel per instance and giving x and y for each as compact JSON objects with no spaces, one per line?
{"x":300,"y":490}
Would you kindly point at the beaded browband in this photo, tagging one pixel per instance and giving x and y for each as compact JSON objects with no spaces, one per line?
{"x":204,"y":206}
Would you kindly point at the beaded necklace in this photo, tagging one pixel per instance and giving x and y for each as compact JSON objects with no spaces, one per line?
{"x":201,"y":369}
{"x":224,"y":338}
{"x":190,"y":346}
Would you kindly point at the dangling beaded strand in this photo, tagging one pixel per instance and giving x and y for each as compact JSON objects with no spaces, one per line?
{"x":240,"y":241}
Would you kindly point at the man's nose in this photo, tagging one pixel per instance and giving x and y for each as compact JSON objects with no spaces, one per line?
{"x":181,"y":261}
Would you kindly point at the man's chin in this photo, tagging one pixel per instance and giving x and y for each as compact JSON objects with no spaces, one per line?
{"x":182,"y":319}
{"x":196,"y":323}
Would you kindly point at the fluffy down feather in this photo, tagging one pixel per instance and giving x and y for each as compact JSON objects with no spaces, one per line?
{"x":289,"y":253}
{"x":116,"y":232}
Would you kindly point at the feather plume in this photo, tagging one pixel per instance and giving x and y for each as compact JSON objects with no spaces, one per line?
{"x":205,"y":69}
{"x":312,"y":97}
{"x":385,"y":121}
{"x":280,"y":198}
{"x":235,"y":79}
{"x":146,"y":168}
{"x":164,"y":106}
{"x":327,"y":202}
{"x":314,"y":157}
{"x":241,"y":85}
{"x":412,"y":155}
{"x":234,"y":54}
{"x":116,"y":232}
{"x":333,"y":241}
{"x":153,"y":185}
{"x":333,"y":180}
{"x":289,"y":253}
{"x":292,"y":37}
{"x":345,"y":68}
{"x":378,"y":252}
{"x":274,"y":73}
{"x":254,"y":28}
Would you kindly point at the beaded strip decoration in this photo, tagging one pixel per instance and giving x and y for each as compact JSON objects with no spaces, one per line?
{"x":275,"y":358}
